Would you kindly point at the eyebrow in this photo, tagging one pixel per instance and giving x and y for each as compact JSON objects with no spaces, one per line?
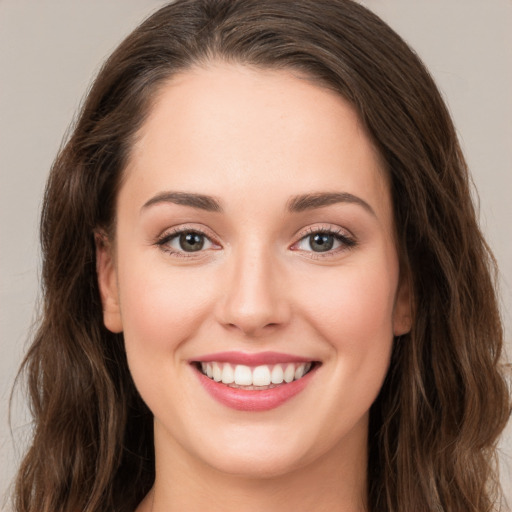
{"x":296,"y":204}
{"x":320,"y":199}
{"x":199,"y":201}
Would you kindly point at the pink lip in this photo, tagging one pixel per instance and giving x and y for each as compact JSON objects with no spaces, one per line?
{"x":248,"y":359}
{"x":254,"y":400}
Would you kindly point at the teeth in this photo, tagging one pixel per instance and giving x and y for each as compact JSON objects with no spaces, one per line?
{"x":228,"y":376}
{"x":259,"y":376}
{"x":277,"y":376}
{"x":217,"y":372}
{"x":243,"y":375}
{"x":289,"y":373}
{"x":299,"y":372}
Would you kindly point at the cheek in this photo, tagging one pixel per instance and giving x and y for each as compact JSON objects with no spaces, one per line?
{"x":161,"y":306}
{"x":161,"y":310}
{"x":354,"y":312}
{"x":354,"y":317}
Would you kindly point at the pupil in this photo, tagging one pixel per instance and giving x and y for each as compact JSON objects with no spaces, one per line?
{"x":191,"y":242}
{"x":321,"y":242}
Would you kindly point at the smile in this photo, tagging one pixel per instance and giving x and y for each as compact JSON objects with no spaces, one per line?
{"x":254,"y":378}
{"x":254,"y":382}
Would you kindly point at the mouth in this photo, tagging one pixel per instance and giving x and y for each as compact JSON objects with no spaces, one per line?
{"x":261,"y":377}
{"x":254,"y":382}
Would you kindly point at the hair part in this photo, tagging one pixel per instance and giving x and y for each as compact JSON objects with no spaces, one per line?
{"x":434,"y":426}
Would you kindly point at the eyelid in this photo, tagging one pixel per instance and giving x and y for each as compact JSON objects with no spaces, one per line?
{"x":170,"y":233}
{"x":345,"y":237}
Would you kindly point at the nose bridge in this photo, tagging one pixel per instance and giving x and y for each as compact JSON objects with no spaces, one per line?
{"x":253,"y":299}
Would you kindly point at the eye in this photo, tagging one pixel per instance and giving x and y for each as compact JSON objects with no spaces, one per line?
{"x":188,"y":241}
{"x":324,"y":241}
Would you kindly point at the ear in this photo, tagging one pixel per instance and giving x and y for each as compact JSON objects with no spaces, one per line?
{"x":402,"y":314}
{"x":107,"y":282}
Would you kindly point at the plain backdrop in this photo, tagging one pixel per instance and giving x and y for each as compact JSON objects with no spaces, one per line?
{"x":51,"y":49}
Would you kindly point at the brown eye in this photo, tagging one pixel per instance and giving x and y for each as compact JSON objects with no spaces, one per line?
{"x":182,"y":242}
{"x":191,"y":242}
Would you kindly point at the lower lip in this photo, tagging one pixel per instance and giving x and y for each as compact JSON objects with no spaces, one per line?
{"x":251,"y":399}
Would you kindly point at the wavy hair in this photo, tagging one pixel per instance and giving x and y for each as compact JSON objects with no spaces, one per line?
{"x":434,"y":426}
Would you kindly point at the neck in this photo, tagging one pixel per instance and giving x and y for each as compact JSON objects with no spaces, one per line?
{"x":333,"y":482}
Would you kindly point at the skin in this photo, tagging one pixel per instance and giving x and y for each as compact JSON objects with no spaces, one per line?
{"x":254,"y":139}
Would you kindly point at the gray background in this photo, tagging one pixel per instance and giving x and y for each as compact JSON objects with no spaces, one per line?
{"x":50,"y":50}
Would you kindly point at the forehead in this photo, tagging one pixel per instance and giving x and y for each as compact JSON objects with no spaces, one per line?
{"x":232,"y":128}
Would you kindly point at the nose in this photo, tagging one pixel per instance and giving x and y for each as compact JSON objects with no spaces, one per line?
{"x":254,"y":295}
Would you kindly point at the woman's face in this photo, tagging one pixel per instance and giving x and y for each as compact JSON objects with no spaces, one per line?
{"x":255,"y":241}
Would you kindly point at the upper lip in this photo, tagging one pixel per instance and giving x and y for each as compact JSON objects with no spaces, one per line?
{"x":251,"y":359}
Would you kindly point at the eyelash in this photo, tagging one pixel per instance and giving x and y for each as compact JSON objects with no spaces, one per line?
{"x":167,"y":237}
{"x":346,"y":242}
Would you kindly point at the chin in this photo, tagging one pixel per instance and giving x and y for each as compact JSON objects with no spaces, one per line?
{"x":258,"y":465}
{"x":259,"y":453}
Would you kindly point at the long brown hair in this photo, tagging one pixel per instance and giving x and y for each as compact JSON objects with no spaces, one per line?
{"x":434,"y":426}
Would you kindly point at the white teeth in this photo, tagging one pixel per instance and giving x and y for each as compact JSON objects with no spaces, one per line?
{"x":217,"y":372}
{"x":277,"y":376}
{"x":228,"y":376}
{"x":243,"y":375}
{"x":261,"y":376}
{"x":289,"y":373}
{"x":299,"y":372}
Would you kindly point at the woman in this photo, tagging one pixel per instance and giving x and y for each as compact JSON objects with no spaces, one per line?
{"x":265,"y":286}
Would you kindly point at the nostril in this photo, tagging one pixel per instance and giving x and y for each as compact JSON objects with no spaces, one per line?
{"x":253,"y":328}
